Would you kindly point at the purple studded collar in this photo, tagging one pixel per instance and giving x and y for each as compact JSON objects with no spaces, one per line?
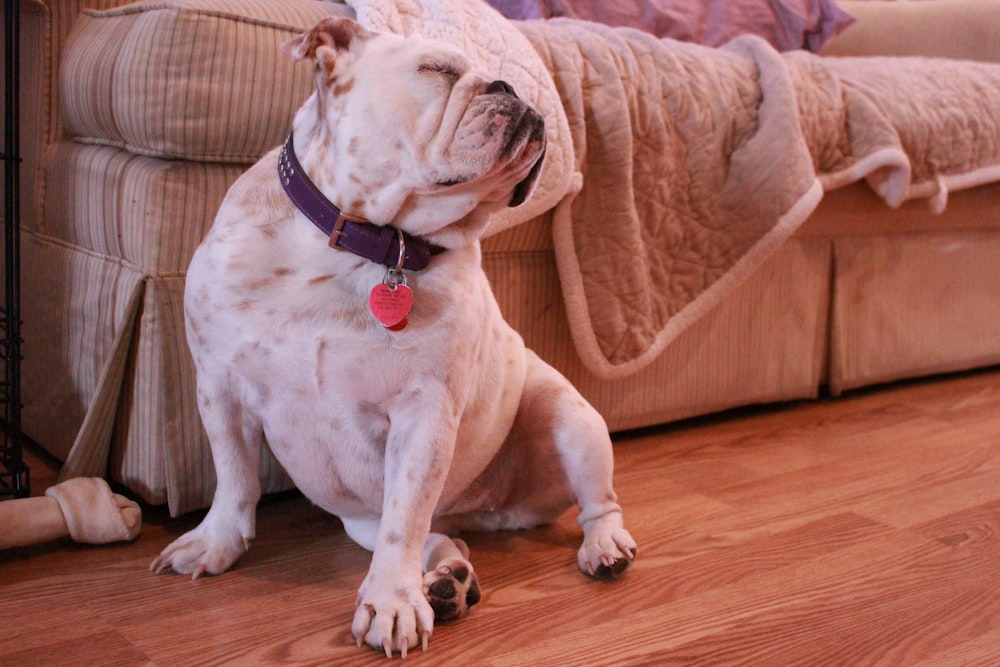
{"x":380,"y":244}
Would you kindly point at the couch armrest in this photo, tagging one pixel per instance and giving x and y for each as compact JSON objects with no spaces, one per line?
{"x":45,"y":25}
{"x":963,"y":29}
{"x":44,"y":36}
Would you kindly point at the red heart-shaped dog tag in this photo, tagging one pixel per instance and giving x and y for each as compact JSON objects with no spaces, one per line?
{"x":390,"y":305}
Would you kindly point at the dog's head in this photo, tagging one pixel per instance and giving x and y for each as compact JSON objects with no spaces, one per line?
{"x":406,"y":131}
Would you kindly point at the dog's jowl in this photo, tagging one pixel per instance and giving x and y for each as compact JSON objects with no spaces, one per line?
{"x":338,"y":311}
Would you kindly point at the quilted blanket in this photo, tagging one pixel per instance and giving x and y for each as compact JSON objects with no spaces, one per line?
{"x":678,"y":169}
{"x":694,"y":170}
{"x":697,"y":163}
{"x":913,"y":128}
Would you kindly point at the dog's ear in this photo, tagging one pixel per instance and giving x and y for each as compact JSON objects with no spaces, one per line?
{"x":330,"y":37}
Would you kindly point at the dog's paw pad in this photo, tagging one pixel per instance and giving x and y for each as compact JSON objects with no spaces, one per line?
{"x":614,"y":569}
{"x":451,"y":589}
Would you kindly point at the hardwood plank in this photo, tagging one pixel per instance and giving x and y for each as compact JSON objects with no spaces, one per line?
{"x":974,"y":528}
{"x":978,"y":652}
{"x":102,"y":648}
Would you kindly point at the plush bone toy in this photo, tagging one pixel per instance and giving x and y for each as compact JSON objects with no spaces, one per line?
{"x":83,"y":508}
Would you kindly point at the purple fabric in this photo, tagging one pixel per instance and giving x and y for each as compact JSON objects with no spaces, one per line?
{"x":786,"y":24}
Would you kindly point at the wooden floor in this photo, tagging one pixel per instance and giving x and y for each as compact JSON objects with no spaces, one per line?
{"x":856,"y":531}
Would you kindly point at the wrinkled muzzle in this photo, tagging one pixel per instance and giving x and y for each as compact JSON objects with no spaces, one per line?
{"x":524,"y":138}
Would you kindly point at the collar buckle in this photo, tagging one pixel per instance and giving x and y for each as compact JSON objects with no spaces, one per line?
{"x":338,"y":229}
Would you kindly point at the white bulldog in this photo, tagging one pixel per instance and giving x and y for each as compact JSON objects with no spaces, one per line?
{"x":372,"y":356}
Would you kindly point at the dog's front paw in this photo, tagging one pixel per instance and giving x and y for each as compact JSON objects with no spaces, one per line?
{"x":451,"y":588}
{"x":392,"y":619}
{"x":607,"y":552}
{"x":199,"y":552}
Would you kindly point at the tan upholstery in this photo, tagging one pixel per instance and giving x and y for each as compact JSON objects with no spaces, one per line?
{"x":963,"y":29}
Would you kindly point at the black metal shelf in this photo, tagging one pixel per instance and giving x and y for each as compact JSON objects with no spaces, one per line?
{"x":14,"y":474}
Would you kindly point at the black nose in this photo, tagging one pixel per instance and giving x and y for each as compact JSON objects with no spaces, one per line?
{"x":500,"y":87}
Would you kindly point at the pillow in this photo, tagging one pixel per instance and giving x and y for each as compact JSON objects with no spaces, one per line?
{"x":786,"y":24}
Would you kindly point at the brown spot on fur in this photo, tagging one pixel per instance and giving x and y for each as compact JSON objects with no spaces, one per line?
{"x":320,"y":349}
{"x":203,"y":294}
{"x":246,"y":304}
{"x":321,"y":279}
{"x":373,"y":421}
{"x":343,"y":88}
{"x":348,"y":494}
{"x":283,"y":271}
{"x":344,"y":32}
{"x":335,"y":33}
{"x":259,"y":283}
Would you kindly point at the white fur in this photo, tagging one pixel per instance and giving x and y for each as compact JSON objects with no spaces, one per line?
{"x":448,"y":425}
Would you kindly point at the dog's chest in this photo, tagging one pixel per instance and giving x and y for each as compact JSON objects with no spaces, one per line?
{"x":323,"y":404}
{"x":309,"y":362}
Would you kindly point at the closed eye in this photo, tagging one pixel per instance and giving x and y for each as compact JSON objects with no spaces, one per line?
{"x":443,"y":69}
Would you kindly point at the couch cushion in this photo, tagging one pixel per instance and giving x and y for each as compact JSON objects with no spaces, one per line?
{"x":192,"y":79}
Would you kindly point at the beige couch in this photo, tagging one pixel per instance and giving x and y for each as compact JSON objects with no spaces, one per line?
{"x":861,"y":294}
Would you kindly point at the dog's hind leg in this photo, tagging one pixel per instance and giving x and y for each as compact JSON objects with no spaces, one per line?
{"x":227,"y":530}
{"x":579,"y":437}
{"x":450,"y":584}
